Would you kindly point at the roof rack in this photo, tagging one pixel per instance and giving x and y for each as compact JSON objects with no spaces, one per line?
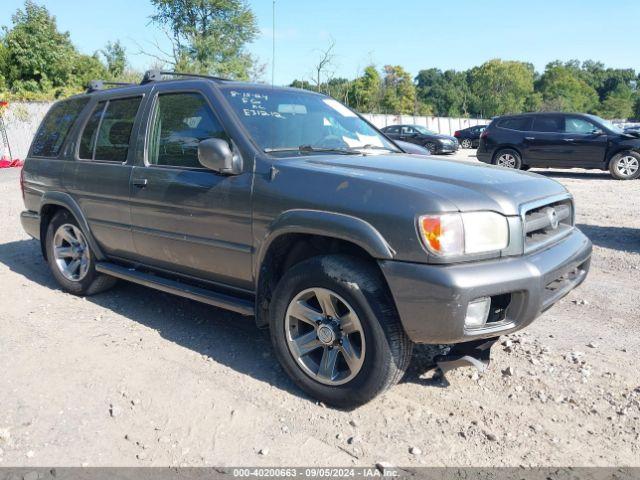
{"x":95,"y":85}
{"x":156,"y":76}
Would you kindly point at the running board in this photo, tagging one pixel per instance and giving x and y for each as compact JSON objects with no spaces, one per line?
{"x":228,"y":302}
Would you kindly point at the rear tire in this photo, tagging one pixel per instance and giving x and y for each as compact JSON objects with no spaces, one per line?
{"x":466,"y":143}
{"x":364,"y":342}
{"x":70,"y":258}
{"x":625,"y":166}
{"x":508,"y":158}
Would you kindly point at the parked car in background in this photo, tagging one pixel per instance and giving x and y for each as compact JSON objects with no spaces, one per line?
{"x":436,"y":143}
{"x":412,"y":148}
{"x":469,"y":137}
{"x":560,"y":140}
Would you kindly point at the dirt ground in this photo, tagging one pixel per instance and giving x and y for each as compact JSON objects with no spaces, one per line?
{"x":138,"y":377}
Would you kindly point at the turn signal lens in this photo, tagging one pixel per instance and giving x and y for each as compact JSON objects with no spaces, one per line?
{"x":443,"y":234}
{"x":455,"y":234}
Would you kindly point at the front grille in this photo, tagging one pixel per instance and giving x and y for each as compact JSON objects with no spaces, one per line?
{"x":547,"y":223}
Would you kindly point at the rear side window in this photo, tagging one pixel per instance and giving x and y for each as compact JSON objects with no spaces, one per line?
{"x":548,"y":124}
{"x":518,"y":123}
{"x":180,"y":122}
{"x":55,"y":127}
{"x":107,"y":134}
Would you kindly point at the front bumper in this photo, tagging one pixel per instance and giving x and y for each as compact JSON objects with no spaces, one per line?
{"x":432,"y":299}
{"x":446,"y":148}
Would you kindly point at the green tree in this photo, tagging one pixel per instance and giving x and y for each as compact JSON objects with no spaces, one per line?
{"x":37,"y":57}
{"x":116,"y":56}
{"x":618,"y":104}
{"x":209,"y":36}
{"x":501,"y":87}
{"x":399,"y":91}
{"x":563,"y":88}
{"x":446,"y":94}
{"x":365,"y":92}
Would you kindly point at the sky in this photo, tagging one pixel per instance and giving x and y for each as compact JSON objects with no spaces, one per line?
{"x":416,"y":34}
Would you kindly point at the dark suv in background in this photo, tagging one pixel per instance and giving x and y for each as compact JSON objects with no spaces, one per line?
{"x":560,"y":140}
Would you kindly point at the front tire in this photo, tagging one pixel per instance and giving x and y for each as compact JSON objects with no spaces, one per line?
{"x":336,"y":332}
{"x":508,"y":158}
{"x":625,"y":166}
{"x":431,"y":147}
{"x":70,"y":257}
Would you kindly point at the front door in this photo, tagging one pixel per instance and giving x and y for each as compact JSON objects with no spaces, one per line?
{"x":186,"y":218}
{"x":587,"y":141}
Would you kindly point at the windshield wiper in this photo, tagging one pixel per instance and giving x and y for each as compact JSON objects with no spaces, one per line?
{"x":309,"y":148}
{"x":368,"y":146}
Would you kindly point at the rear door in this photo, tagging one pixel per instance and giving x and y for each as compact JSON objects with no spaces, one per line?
{"x":544,"y":145}
{"x":98,"y":179}
{"x":186,"y":218}
{"x":586,"y":141}
{"x":409,"y":134}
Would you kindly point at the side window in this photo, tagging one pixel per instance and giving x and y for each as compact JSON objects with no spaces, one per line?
{"x":180,"y":121}
{"x":107,"y":134}
{"x":518,"y":123}
{"x":55,"y":127}
{"x":547,"y":124}
{"x":578,"y":125}
{"x":393,"y":130}
{"x":408,"y":131}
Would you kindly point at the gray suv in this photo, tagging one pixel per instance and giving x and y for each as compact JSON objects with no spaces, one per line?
{"x":286,"y":206}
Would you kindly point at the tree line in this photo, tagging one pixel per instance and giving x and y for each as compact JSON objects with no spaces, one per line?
{"x":39,"y":62}
{"x":496,"y":87}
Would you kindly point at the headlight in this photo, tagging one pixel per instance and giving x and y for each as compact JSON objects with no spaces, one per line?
{"x":456,"y":234}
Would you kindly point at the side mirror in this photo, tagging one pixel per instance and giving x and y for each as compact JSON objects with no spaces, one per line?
{"x":598,"y":132}
{"x":215,"y":154}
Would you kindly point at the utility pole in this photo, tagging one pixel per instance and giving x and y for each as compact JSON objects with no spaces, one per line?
{"x":273,"y":54}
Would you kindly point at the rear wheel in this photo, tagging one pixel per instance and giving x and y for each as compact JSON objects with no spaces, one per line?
{"x":70,"y":257}
{"x":508,"y":158}
{"x":465,"y":143}
{"x":336,"y":332}
{"x":625,"y":166}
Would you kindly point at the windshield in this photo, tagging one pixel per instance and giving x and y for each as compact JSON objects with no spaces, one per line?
{"x":424,"y":131}
{"x":289,"y":122}
{"x":607,"y":124}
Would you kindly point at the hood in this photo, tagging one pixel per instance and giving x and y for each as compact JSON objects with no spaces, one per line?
{"x":466,"y":186}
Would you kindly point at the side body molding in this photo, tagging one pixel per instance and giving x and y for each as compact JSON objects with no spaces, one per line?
{"x":65,"y":200}
{"x":327,"y":224}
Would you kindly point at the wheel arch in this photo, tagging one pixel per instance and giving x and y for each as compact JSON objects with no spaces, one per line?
{"x":50,"y":205}
{"x":619,"y":151}
{"x":301,"y":234}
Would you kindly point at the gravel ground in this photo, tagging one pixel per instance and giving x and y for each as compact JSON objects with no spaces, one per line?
{"x":138,"y":377}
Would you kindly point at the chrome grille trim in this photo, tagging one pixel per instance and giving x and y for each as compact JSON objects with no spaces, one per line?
{"x":546,"y":221}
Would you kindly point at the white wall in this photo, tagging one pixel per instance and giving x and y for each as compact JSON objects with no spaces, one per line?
{"x":446,"y":125}
{"x":23,"y":119}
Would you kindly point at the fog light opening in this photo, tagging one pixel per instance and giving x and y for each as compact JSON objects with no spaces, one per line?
{"x":477,"y":312}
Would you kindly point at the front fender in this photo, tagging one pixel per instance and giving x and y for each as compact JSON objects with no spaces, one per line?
{"x":327,"y":224}
{"x":65,"y":200}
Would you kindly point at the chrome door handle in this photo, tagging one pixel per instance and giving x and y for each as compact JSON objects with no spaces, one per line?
{"x":529,"y":138}
{"x":569,"y":139}
{"x":140,"y":183}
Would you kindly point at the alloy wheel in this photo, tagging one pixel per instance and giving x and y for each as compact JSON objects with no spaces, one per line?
{"x":325,"y":336}
{"x":627,"y":165}
{"x":71,"y":252}
{"x":466,"y":143}
{"x":506,"y":160}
